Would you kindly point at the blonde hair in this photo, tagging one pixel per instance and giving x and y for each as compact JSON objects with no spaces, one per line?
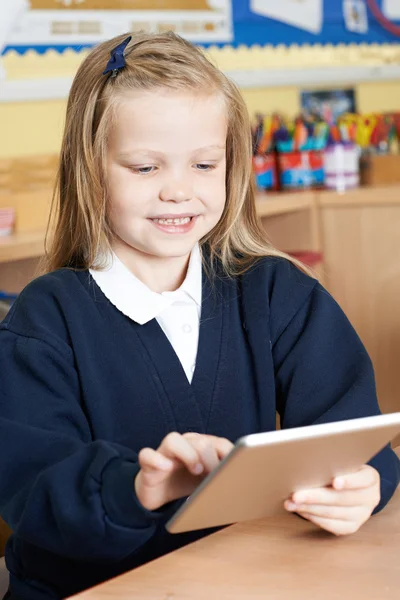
{"x":79,"y":223}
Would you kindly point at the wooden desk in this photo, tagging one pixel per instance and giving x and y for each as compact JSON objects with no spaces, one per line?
{"x":282,"y":558}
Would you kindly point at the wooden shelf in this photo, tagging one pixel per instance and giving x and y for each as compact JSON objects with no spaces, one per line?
{"x":269,"y":205}
{"x":281,"y":203}
{"x":363,"y":196}
{"x":27,"y":244}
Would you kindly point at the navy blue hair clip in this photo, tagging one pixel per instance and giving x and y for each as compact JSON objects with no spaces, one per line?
{"x":117,"y":60}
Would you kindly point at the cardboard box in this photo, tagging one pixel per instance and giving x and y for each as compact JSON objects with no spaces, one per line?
{"x":380,"y":169}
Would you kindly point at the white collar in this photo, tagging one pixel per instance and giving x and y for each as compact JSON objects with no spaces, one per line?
{"x":135,"y":300}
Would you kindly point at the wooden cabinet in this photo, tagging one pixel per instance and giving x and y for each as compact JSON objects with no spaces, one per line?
{"x":291,"y":223}
{"x":360,"y":235}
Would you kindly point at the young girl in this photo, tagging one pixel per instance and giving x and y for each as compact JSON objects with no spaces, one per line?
{"x":165,"y":328}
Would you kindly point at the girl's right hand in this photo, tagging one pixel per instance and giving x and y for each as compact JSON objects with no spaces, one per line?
{"x":177,"y":467}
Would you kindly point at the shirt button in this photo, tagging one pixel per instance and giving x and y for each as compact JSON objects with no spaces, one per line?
{"x":186,"y":328}
{"x":193,"y":368}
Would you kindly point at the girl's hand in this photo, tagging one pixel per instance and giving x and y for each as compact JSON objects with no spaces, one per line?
{"x":177,"y":467}
{"x":342,"y":508}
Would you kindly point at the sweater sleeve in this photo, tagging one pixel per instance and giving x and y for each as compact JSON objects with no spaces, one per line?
{"x":323,"y":374}
{"x":60,"y":490}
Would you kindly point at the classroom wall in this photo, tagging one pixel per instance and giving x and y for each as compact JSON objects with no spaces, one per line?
{"x":371,"y":97}
{"x":35,"y":127}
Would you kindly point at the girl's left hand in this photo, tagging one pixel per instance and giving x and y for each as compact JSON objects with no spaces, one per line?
{"x":342,"y":508}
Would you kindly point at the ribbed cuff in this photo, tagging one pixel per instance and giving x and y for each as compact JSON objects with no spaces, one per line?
{"x":119,"y":498}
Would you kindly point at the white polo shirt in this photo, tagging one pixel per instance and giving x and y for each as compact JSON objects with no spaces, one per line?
{"x":178,"y":313}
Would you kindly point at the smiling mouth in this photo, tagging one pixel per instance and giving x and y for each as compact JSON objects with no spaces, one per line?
{"x":177,"y":225}
{"x":177,"y":221}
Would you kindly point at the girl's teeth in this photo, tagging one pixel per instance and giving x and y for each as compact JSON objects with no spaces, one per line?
{"x":182,"y":221}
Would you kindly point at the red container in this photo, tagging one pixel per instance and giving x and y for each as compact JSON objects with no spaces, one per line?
{"x":264,"y":166}
{"x":298,"y":170}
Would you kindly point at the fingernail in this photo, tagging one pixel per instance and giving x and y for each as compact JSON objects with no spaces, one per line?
{"x":197,"y":469}
{"x":339,"y":483}
{"x":300,"y":498}
{"x":290,"y":505}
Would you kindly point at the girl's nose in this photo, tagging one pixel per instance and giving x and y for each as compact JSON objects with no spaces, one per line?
{"x":176,"y":191}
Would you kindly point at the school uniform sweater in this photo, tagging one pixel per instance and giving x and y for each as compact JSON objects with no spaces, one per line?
{"x":83,"y":388}
{"x":177,"y":312}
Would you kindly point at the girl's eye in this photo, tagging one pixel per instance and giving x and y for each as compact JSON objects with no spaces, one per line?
{"x":143,"y":170}
{"x":205,"y":167}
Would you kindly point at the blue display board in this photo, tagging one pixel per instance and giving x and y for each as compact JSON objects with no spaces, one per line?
{"x":252,"y":29}
{"x":248,"y":27}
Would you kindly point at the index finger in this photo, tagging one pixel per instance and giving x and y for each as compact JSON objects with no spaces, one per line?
{"x":222,"y":445}
{"x":365,"y":477}
{"x":175,"y":446}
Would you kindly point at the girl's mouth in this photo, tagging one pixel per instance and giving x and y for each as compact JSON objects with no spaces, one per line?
{"x":175,"y":224}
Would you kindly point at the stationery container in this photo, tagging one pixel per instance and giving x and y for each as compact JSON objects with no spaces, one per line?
{"x":342,"y":169}
{"x":303,"y":169}
{"x":264,"y":166}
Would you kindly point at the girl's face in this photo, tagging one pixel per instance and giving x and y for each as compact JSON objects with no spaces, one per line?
{"x":166,"y":171}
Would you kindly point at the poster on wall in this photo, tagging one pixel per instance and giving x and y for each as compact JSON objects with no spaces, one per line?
{"x":328,"y":104}
{"x":305,"y":14}
{"x":58,"y":23}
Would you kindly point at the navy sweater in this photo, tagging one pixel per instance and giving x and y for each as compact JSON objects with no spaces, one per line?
{"x":83,"y":388}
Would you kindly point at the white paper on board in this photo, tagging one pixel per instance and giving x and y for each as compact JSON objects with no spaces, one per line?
{"x":355,"y":16}
{"x":10,"y":12}
{"x":304,"y":14}
{"x":198,"y":21}
{"x":391,"y":9}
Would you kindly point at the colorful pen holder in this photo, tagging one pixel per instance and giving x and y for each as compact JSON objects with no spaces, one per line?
{"x":303,"y":169}
{"x":264,"y":166}
{"x":342,"y":166}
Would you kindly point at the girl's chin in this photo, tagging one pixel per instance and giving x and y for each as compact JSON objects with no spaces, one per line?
{"x":170,"y":249}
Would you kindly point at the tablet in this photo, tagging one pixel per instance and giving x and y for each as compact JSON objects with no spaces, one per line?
{"x":264,"y":469}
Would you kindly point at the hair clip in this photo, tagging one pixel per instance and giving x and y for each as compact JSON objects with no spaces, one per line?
{"x":117,"y":60}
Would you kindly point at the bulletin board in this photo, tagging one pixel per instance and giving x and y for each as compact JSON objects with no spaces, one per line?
{"x":78,"y":24}
{"x":316,"y":22}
